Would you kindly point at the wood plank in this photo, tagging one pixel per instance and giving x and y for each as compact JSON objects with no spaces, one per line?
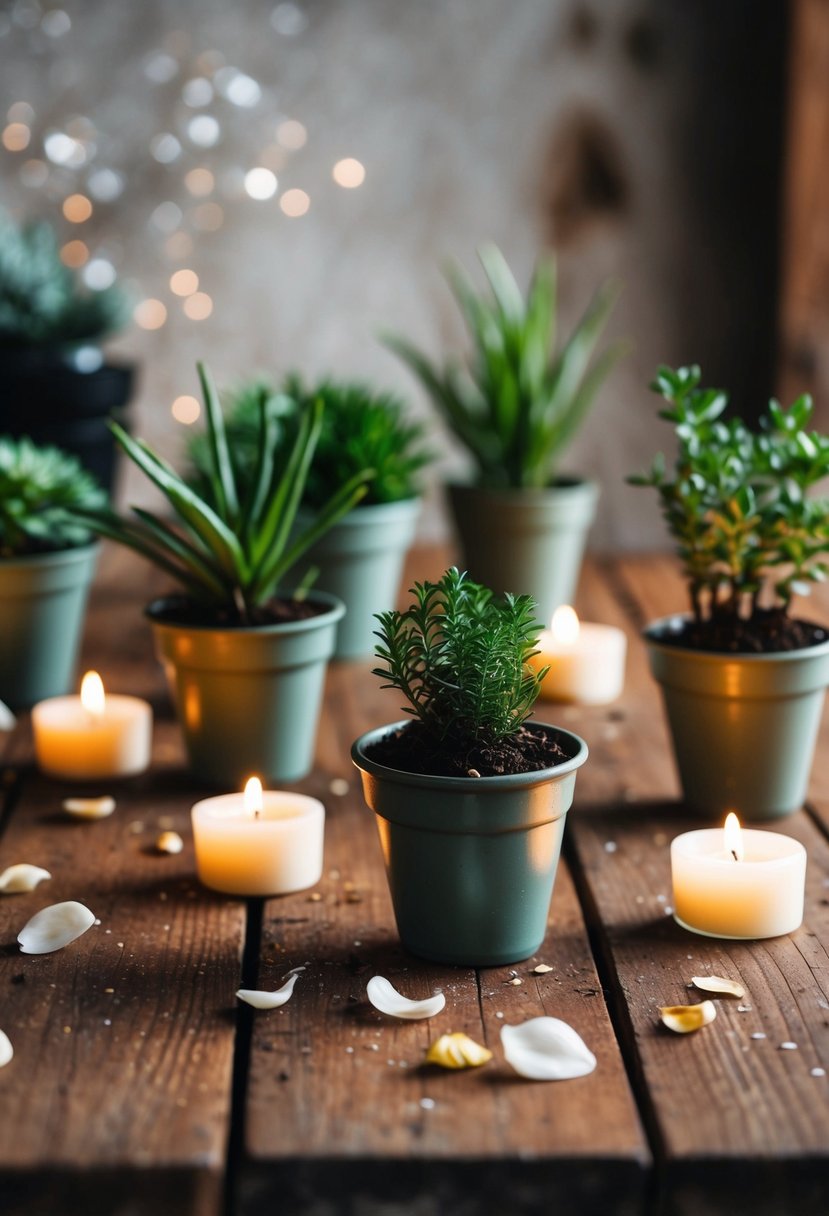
{"x":742,"y":1125}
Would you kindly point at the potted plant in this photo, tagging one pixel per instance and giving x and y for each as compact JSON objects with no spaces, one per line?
{"x":245,"y":659}
{"x":55,"y":386}
{"x":522,"y":523}
{"x":743,"y":680}
{"x":360,"y":559}
{"x":47,"y":561}
{"x":469,"y":797}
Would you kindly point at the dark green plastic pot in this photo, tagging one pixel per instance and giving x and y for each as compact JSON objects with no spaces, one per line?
{"x":360,"y":561}
{"x":529,"y":542}
{"x":471,"y":861}
{"x":743,"y":725}
{"x":42,"y":606}
{"x":248,"y":699}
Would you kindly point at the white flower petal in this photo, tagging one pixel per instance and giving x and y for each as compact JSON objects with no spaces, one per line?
{"x":21,"y":877}
{"x":683,"y":1019}
{"x":169,"y":842}
{"x":388,"y":1000}
{"x":6,"y":1049}
{"x":546,"y":1049}
{"x":54,"y":927}
{"x":268,"y":1000}
{"x":89,"y":808}
{"x":716,"y":983}
{"x":7,"y":719}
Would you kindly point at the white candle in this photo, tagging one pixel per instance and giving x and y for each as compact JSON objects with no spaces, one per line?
{"x":738,"y":883}
{"x":94,"y":735}
{"x":258,"y":843}
{"x":586,"y":661}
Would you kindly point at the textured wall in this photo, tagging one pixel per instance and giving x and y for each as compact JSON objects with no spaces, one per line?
{"x":639,"y":139}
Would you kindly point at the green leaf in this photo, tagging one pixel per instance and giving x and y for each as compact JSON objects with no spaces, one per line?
{"x":224,"y":486}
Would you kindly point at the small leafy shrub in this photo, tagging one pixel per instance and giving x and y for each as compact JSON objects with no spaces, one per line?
{"x":460,"y":658}
{"x":40,"y":488}
{"x":41,"y":301}
{"x":519,"y":402}
{"x":231,"y":545}
{"x":736,"y":502}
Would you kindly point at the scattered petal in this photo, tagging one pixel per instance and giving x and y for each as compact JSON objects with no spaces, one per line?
{"x":788,"y":1046}
{"x":547,"y":1049}
{"x":169,"y":842}
{"x":54,"y":927}
{"x":21,"y":877}
{"x":817,"y":1072}
{"x":541,"y":969}
{"x":457,"y":1051}
{"x":388,"y":1000}
{"x":515,"y":981}
{"x":682,"y":1019}
{"x":268,"y":1000}
{"x":716,"y":983}
{"x":6,"y":1049}
{"x":89,"y":808}
{"x":758,"y":1034}
{"x":7,"y":718}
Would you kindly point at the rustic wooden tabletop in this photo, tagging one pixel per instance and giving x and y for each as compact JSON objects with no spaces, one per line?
{"x":140,"y":1086}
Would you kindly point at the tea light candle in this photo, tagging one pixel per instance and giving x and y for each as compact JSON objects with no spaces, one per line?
{"x":258,"y":843}
{"x":586,"y":661}
{"x":94,"y":735}
{"x":738,"y":883}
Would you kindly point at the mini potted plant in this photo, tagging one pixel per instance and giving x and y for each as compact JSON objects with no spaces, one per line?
{"x":522,"y":523}
{"x":55,"y":386}
{"x":360,"y":559}
{"x":743,"y":680}
{"x":245,"y":659}
{"x":47,"y":562}
{"x":470,"y":798}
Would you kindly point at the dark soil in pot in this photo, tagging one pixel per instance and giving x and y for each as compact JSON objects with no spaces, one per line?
{"x":412,"y":749}
{"x":769,"y":631}
{"x":179,"y":610}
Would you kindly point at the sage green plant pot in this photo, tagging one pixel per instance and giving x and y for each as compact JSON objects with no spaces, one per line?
{"x":248,"y":699}
{"x":743,"y":725}
{"x":360,"y":561}
{"x":42,"y":605}
{"x":471,"y":861}
{"x":529,"y":542}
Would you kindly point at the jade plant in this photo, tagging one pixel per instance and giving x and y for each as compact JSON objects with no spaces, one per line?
{"x":41,"y":488}
{"x":460,"y":657}
{"x":748,"y":536}
{"x":231,"y":546}
{"x":520,"y":399}
{"x":42,"y":301}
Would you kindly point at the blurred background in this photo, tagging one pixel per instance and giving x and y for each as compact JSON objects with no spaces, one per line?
{"x":277,"y":183}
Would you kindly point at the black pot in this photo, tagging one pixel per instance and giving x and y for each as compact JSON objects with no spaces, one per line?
{"x":45,"y":395}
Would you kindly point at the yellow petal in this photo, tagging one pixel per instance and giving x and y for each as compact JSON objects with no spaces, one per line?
{"x":682,"y":1019}
{"x":89,"y":808}
{"x":716,"y":983}
{"x":457,"y":1051}
{"x":169,"y":842}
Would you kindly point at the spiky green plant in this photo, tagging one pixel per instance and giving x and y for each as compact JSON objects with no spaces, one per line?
{"x":736,"y":503}
{"x":460,"y":657}
{"x":41,"y":300}
{"x":230,"y":546}
{"x":519,"y":401}
{"x":40,"y":487}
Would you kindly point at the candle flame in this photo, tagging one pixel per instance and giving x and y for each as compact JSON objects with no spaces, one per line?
{"x":93,"y":698}
{"x":253,"y":797}
{"x":565,"y":625}
{"x":733,"y":837}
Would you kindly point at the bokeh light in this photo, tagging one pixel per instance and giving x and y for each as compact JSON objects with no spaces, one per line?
{"x":77,"y":208}
{"x":186,"y":410}
{"x":295,"y":203}
{"x":74,"y":254}
{"x":198,"y":306}
{"x":260,"y":183}
{"x":184,"y":282}
{"x":349,"y":173}
{"x":150,"y":314}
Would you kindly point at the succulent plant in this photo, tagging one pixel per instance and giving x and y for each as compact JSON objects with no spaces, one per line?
{"x":40,"y":489}
{"x":518,"y":402}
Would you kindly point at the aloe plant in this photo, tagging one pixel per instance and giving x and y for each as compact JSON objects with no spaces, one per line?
{"x":519,"y":402}
{"x":231,"y":546}
{"x":41,"y":488}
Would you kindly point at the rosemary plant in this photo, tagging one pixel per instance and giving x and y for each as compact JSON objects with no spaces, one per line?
{"x":736,"y":503}
{"x":231,"y":545}
{"x":460,"y":657}
{"x":40,"y":488}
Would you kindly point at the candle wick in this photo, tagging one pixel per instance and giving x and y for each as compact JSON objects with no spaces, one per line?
{"x":256,"y":816}
{"x":734,"y":854}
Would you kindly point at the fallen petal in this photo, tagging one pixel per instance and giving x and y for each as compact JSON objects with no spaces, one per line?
{"x":388,"y":1000}
{"x":54,"y":927}
{"x":682,"y":1019}
{"x":7,"y":719}
{"x":6,"y":1049}
{"x":716,"y":983}
{"x":21,"y":877}
{"x":89,"y":808}
{"x":547,"y":1049}
{"x":169,"y":842}
{"x":457,"y":1051}
{"x":541,"y":969}
{"x":268,"y":1000}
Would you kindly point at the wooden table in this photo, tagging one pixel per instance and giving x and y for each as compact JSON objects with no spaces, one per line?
{"x":139,"y":1085}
